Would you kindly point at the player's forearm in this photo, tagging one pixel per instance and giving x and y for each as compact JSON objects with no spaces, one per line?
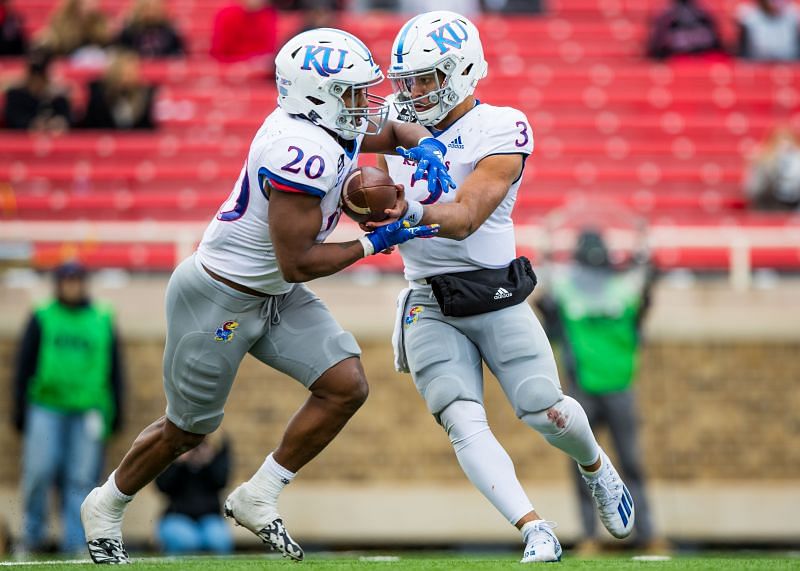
{"x":322,"y":260}
{"x":455,"y":219}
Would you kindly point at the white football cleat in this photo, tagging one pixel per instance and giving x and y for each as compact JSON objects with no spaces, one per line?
{"x":251,"y":512}
{"x":542,"y":544}
{"x":103,"y":529}
{"x":612,"y":498}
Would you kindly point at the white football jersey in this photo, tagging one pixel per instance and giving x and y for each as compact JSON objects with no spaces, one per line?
{"x":485,"y":130}
{"x":288,"y":154}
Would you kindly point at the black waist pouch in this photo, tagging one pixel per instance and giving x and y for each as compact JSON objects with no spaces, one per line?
{"x":480,"y":291}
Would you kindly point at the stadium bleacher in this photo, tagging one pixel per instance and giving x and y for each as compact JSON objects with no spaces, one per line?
{"x":668,"y":141}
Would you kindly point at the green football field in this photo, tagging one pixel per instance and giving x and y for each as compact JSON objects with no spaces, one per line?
{"x":414,"y":562}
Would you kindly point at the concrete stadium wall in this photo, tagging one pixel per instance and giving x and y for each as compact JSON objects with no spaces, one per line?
{"x":718,"y":409}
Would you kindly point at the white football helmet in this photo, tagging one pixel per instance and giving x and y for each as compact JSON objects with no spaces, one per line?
{"x":437,"y":61}
{"x":315,"y":70}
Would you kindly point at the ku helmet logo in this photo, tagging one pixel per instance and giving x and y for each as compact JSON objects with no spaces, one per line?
{"x":451,"y":35}
{"x":225,"y":333}
{"x":319,"y":57}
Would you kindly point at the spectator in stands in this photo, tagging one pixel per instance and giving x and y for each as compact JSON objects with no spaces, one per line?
{"x":193,"y":520}
{"x":593,"y":312}
{"x":769,"y":30}
{"x":13,"y":40}
{"x":37,"y":104}
{"x":79,"y":29}
{"x":148,"y":31}
{"x":120,"y":100}
{"x":318,"y":14}
{"x":684,"y":28}
{"x":245,"y":31}
{"x":68,"y":393}
{"x":468,"y":8}
{"x":773,"y":179}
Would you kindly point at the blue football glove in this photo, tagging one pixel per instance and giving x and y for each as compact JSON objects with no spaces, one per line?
{"x":398,"y":232}
{"x":429,"y":156}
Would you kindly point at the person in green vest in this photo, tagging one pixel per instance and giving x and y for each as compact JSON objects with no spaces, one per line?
{"x":593,"y":312}
{"x":68,"y":391}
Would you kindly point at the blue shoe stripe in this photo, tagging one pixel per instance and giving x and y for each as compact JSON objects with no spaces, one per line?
{"x":623,"y":501}
{"x":628,"y":495}
{"x":622,"y":515}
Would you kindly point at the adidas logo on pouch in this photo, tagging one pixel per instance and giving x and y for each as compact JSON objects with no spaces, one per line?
{"x":502,"y":293}
{"x":455,"y":143}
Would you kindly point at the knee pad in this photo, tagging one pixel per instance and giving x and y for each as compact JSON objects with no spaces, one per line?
{"x":441,"y":392}
{"x":343,"y":344}
{"x":535,"y":394}
{"x":463,"y":420}
{"x":441,"y":378}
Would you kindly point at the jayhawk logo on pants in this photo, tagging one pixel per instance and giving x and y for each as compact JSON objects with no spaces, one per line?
{"x":413,"y":315}
{"x":225,"y":333}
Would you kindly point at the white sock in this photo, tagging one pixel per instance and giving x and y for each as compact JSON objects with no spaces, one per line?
{"x":114,"y":490}
{"x":104,"y":515}
{"x":270,"y":479}
{"x":110,"y":500}
{"x":565,"y":426}
{"x":484,"y":461}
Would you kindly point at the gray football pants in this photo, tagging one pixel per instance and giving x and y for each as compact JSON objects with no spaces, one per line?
{"x":210,"y":328}
{"x":445,"y":355}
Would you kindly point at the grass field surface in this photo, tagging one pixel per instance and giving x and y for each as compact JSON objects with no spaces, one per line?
{"x":419,"y":562}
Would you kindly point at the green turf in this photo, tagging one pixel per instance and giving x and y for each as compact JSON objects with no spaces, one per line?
{"x":416,"y":562}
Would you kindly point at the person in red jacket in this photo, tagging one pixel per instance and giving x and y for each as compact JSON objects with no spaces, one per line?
{"x":244,"y":31}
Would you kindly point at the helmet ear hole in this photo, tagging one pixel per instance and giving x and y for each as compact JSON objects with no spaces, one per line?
{"x":314,"y":100}
{"x":467,"y":70}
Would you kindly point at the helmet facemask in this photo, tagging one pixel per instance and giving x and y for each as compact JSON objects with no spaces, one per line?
{"x":352,"y":119}
{"x":437,"y":98}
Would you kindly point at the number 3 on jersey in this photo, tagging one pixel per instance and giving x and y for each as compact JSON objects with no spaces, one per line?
{"x":313,"y":168}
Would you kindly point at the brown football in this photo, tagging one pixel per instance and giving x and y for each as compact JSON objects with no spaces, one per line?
{"x":366,"y":193}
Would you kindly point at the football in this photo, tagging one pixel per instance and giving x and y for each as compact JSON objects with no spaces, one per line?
{"x":366,"y":193}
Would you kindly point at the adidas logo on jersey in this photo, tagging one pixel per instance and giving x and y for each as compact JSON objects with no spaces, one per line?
{"x":455,"y":143}
{"x":502,"y":293}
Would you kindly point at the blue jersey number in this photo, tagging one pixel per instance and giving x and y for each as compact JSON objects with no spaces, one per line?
{"x":523,"y":133}
{"x":240,"y":206}
{"x":314,"y":167}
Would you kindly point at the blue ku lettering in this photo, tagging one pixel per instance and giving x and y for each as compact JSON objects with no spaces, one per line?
{"x":320,"y":58}
{"x":451,"y":35}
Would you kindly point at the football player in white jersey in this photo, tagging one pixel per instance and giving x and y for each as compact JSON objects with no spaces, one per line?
{"x":242,"y":291}
{"x":465,"y":304}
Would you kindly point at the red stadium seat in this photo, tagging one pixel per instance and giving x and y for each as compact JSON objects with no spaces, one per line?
{"x":668,"y":140}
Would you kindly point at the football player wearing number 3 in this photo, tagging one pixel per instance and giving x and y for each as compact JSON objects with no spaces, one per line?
{"x":242,"y":291}
{"x":441,"y":338}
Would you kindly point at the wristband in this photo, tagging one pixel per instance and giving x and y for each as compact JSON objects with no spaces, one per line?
{"x":434,"y":142}
{"x":414,"y":212}
{"x":366,"y":243}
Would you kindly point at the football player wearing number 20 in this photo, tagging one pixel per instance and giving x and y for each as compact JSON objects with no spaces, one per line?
{"x":243,"y":292}
{"x":436,"y":63}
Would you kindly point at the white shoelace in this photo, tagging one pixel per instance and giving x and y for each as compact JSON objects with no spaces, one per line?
{"x":608,"y":494}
